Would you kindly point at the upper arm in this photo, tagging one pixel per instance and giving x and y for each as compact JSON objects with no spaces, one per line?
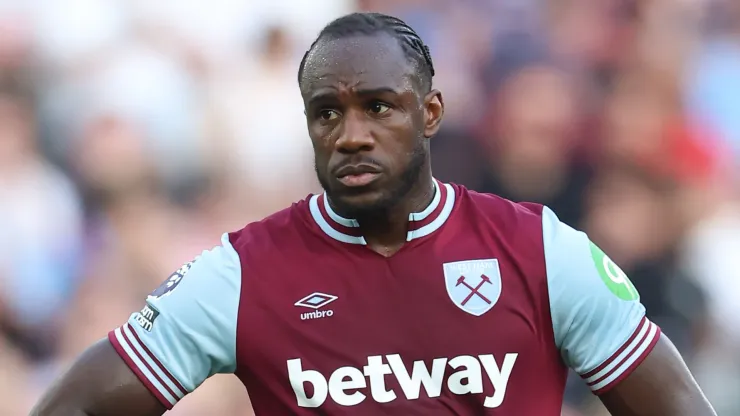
{"x":661,"y":385}
{"x":98,"y":383}
{"x":599,"y":323}
{"x":185,"y":333}
{"x":602,"y":332}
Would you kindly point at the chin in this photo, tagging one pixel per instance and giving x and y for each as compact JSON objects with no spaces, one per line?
{"x":359,"y":203}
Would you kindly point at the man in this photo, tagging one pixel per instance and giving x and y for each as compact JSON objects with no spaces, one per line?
{"x":391,"y":293}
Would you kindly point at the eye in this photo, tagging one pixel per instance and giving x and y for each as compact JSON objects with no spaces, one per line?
{"x":328,"y":115}
{"x":377,"y":107}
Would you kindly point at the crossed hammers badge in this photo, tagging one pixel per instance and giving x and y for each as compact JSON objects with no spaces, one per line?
{"x":473,"y":285}
{"x":474,"y":290}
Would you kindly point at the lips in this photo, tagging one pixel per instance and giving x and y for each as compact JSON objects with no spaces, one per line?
{"x":357,"y":175}
{"x":348,"y":170}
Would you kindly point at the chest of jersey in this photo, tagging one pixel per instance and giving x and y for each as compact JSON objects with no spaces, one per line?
{"x":457,"y":322}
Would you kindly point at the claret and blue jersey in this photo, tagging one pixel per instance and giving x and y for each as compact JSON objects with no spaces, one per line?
{"x":482,"y":311}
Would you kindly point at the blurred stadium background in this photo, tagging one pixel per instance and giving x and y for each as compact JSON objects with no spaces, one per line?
{"x":133,"y":133}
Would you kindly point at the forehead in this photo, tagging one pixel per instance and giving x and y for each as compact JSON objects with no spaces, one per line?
{"x":363,"y":62}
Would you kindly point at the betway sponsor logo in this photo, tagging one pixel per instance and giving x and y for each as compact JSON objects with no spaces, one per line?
{"x":345,"y":383}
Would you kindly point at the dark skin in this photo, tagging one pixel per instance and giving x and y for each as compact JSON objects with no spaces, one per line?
{"x":99,"y":383}
{"x":367,"y":107}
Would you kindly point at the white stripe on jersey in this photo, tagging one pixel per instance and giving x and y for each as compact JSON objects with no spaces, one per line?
{"x":153,"y":362}
{"x":440,"y":220}
{"x":124,"y":343}
{"x":646,"y":334}
{"x":313,"y":205}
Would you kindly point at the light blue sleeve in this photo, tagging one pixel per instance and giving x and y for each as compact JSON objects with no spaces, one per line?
{"x":599,"y":323}
{"x":186,"y":332}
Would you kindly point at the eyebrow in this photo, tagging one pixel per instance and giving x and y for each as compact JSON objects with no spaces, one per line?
{"x":325,"y":96}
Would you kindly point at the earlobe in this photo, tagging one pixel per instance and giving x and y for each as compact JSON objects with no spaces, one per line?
{"x":434,"y":112}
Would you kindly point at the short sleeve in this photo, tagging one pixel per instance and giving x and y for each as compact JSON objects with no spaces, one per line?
{"x":599,"y":323}
{"x":186,"y":331}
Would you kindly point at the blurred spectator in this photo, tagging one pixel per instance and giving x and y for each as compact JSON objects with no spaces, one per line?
{"x":259,"y":104}
{"x":530,"y":137}
{"x":713,"y":82}
{"x":710,"y":256}
{"x":40,"y":219}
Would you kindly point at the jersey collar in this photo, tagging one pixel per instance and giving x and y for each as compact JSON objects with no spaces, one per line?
{"x":420,"y":223}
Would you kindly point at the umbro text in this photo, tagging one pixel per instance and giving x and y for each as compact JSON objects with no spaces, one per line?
{"x":317,"y":314}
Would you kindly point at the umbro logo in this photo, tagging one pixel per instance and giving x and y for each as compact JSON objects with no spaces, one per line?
{"x":315,"y":301}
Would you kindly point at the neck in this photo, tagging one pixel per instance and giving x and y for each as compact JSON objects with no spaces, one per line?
{"x":426,"y":207}
{"x":386,"y":231}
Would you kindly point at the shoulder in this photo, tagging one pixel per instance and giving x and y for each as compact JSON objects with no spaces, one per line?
{"x":511,"y":229}
{"x":597,"y":318}
{"x":514,"y":220}
{"x":500,"y":208}
{"x":277,"y":229}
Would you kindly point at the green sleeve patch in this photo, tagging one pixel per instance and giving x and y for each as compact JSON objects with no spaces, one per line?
{"x":614,"y":278}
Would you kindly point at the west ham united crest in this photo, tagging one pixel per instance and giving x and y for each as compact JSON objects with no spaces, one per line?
{"x":473,"y":285}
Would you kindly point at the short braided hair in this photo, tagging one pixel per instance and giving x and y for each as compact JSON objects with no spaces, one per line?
{"x":374,"y":23}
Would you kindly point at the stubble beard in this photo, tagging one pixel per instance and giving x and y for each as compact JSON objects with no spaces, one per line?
{"x":391,"y":196}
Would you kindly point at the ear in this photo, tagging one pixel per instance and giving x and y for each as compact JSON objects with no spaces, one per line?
{"x":434,"y":110}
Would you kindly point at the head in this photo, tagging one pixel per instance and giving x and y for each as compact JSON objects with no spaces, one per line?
{"x":370,"y":108}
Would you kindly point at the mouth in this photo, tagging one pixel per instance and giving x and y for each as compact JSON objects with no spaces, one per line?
{"x":354,"y":176}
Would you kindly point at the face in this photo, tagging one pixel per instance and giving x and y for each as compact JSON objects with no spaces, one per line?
{"x":369,"y":121}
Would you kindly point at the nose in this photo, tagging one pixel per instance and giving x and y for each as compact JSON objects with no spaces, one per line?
{"x":355,"y":135}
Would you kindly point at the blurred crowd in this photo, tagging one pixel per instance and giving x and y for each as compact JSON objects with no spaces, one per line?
{"x":133,"y":133}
